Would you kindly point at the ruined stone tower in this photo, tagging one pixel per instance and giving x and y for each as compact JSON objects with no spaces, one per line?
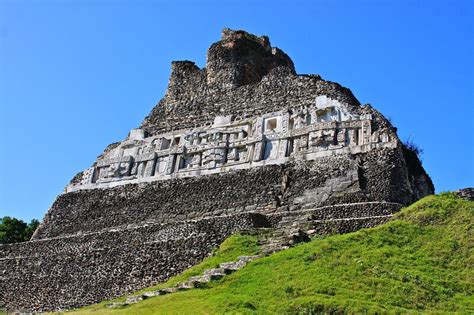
{"x":243,"y":143}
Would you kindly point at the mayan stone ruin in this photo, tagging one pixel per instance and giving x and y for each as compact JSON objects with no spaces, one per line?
{"x":244,"y":143}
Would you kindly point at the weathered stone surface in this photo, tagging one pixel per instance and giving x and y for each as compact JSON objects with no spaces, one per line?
{"x":244,"y":142}
{"x":466,"y":193}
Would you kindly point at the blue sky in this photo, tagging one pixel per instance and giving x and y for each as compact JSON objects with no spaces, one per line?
{"x":78,"y":75}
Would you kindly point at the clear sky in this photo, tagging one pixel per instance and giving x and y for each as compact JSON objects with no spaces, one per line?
{"x":78,"y":75}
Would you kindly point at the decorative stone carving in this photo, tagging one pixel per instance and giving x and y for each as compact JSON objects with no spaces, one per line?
{"x":284,"y":123}
{"x":299,"y":118}
{"x":213,"y":158}
{"x":366,"y":131}
{"x":384,"y":137}
{"x":341,"y":136}
{"x":270,"y":138}
{"x":303,"y":143}
{"x":271,"y":150}
{"x":118,"y":169}
{"x":258,"y":151}
{"x":283,"y":148}
{"x":316,"y":139}
{"x":353,"y":136}
{"x":160,"y":168}
{"x":87,"y":176}
{"x":170,"y":163}
{"x":241,"y":154}
{"x":232,"y":154}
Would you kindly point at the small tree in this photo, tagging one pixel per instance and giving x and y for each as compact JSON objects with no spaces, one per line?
{"x":13,"y":230}
{"x":412,"y":146}
{"x":32,"y":226}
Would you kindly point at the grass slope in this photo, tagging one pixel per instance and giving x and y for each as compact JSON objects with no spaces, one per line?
{"x":420,"y":262}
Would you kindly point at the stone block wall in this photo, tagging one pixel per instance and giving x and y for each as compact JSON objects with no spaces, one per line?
{"x":66,"y":272}
{"x":162,"y":201}
{"x":329,"y":227}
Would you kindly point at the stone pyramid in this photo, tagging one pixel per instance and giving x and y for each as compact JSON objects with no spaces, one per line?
{"x":244,"y":143}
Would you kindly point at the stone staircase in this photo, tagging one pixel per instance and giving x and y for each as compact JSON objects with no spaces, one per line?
{"x":281,"y":239}
{"x":334,"y":219}
{"x":193,"y":282}
{"x":294,"y":227}
{"x":273,"y":241}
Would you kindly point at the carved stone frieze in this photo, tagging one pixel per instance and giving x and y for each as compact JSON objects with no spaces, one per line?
{"x":274,"y":137}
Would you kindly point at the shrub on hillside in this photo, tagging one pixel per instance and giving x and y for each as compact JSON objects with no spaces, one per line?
{"x":13,"y":230}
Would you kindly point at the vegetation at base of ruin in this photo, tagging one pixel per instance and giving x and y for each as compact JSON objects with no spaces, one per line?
{"x":13,"y":230}
{"x":422,"y":261}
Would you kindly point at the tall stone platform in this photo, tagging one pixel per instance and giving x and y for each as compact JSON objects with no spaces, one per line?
{"x":243,"y":143}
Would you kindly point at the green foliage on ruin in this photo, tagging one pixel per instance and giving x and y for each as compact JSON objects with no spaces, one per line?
{"x":422,"y":261}
{"x":13,"y":230}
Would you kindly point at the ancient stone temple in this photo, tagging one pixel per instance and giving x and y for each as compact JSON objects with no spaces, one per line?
{"x":243,"y":143}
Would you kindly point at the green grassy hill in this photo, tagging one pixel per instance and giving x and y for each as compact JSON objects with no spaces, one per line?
{"x":422,"y":261}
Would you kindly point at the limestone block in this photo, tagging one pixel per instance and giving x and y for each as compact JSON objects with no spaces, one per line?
{"x":136,"y":134}
{"x":222,"y":120}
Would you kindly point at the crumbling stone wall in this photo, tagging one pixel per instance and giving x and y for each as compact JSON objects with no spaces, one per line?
{"x":187,"y":100}
{"x":244,"y":76}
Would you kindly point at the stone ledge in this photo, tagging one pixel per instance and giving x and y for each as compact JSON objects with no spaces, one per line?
{"x":155,"y":234}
